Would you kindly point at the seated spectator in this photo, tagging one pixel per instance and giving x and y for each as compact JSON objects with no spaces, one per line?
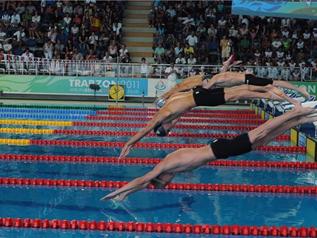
{"x":178,"y":49}
{"x":188,"y":50}
{"x":48,"y":50}
{"x":91,"y":56}
{"x":108,"y":58}
{"x":124,"y":54}
{"x":180,"y":59}
{"x":192,"y":39}
{"x":191,"y":60}
{"x":144,"y":68}
{"x":159,"y":54}
{"x":113,"y":49}
{"x":276,"y":43}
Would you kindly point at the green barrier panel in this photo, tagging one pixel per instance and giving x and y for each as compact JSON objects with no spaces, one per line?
{"x":310,"y":86}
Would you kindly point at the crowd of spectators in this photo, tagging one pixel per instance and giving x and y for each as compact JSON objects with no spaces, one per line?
{"x":205,"y":32}
{"x":63,"y":29}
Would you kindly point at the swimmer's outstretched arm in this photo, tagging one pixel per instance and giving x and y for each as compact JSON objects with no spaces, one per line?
{"x":157,"y":119}
{"x":136,"y":184}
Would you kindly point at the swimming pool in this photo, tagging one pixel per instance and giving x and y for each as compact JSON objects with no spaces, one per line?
{"x":53,"y":160}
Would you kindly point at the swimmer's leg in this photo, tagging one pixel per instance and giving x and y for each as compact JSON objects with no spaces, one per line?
{"x":284,"y":84}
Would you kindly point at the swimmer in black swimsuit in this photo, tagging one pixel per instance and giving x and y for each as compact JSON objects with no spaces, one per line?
{"x":228,"y":79}
{"x":188,"y":159}
{"x":180,"y":103}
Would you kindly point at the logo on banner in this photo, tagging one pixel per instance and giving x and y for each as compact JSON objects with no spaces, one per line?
{"x":160,"y":86}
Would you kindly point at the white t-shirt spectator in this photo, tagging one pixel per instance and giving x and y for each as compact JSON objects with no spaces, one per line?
{"x":280,"y":63}
{"x":233,"y":32}
{"x":280,"y":54}
{"x":116,"y":27}
{"x":192,"y":40}
{"x":67,"y":20}
{"x":180,"y":60}
{"x":20,"y":34}
{"x":300,"y":44}
{"x":222,"y":23}
{"x":285,"y":32}
{"x":108,"y":58}
{"x":257,"y":54}
{"x":285,"y":22}
{"x":68,"y":9}
{"x":212,"y":31}
{"x":27,"y":56}
{"x":36,"y":19}
{"x":276,"y":43}
{"x":15,"y":19}
{"x":304,"y":71}
{"x":6,"y":17}
{"x":123,"y":52}
{"x":245,"y":21}
{"x":294,"y":35}
{"x":268,"y":53}
{"x":171,"y":76}
{"x":178,"y":50}
{"x":7,"y":46}
{"x":306,"y":35}
{"x":292,"y":65}
{"x":93,"y":39}
{"x":74,"y":29}
{"x":144,"y":69}
{"x":48,"y":50}
{"x":171,"y":12}
{"x":191,"y":61}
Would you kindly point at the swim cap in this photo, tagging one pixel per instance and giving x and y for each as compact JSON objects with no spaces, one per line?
{"x":160,"y":102}
{"x":159,"y":130}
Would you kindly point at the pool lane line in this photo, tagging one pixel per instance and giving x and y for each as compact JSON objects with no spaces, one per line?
{"x":154,"y":161}
{"x":209,"y":110}
{"x":117,"y":125}
{"x":144,"y":145}
{"x":245,"y":188}
{"x":187,"y":114}
{"x":119,"y":133}
{"x":187,"y":120}
{"x":150,"y":227}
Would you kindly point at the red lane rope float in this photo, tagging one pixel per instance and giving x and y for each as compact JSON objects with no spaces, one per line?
{"x":148,"y":227}
{"x":188,"y":114}
{"x":243,"y":111}
{"x":247,"y":188}
{"x":182,"y":126}
{"x":172,"y":134}
{"x":192,"y":120}
{"x":152,"y":145}
{"x":153,"y":161}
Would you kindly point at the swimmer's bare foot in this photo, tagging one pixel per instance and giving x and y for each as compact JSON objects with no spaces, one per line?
{"x":303,"y":91}
{"x":226,"y":64}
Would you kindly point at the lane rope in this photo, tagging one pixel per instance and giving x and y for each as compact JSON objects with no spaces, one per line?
{"x":145,"y":145}
{"x":118,"y":133}
{"x":154,"y":161}
{"x":150,"y":227}
{"x":187,"y":120}
{"x":117,"y":125}
{"x":247,"y":188}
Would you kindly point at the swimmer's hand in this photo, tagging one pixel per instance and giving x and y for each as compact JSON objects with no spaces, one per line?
{"x":125,"y":151}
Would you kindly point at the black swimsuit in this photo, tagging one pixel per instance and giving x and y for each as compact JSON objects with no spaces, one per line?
{"x":209,"y":97}
{"x":224,"y":148}
{"x":257,"y":81}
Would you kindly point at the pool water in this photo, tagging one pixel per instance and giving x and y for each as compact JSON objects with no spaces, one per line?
{"x":163,"y":206}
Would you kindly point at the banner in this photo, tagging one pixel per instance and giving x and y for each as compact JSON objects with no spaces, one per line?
{"x":311,"y":87}
{"x":306,"y":9}
{"x":46,"y":84}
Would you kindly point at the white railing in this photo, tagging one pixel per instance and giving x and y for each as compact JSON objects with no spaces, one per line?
{"x":13,"y":64}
